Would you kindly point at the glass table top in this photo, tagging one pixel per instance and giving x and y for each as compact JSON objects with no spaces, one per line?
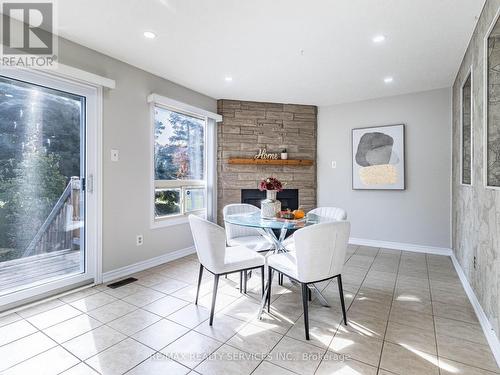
{"x":255,"y":221}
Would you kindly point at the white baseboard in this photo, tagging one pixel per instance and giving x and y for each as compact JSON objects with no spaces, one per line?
{"x":401,"y":246}
{"x":490,"y":334}
{"x":145,"y":264}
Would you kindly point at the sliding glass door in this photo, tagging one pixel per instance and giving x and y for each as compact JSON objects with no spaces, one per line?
{"x":44,"y":184}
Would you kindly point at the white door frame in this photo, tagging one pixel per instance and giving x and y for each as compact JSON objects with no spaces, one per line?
{"x":93,"y":191}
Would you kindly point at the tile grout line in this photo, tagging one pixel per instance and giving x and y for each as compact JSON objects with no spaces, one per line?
{"x":354,"y":298}
{"x":45,"y":351}
{"x":193,"y":329}
{"x":187,"y":332}
{"x":105,"y":324}
{"x":33,"y":356}
{"x":65,"y":320}
{"x":132,"y":338}
{"x":248,"y":322}
{"x":102,"y":324}
{"x":277,"y":343}
{"x":389,"y":314}
{"x":432,"y":310}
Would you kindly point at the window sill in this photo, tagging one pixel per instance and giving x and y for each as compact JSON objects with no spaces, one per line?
{"x":175,"y":220}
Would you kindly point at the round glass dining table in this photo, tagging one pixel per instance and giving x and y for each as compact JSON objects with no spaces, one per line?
{"x":268,"y":228}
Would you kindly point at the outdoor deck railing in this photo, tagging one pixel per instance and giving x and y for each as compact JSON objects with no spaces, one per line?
{"x":61,"y":229}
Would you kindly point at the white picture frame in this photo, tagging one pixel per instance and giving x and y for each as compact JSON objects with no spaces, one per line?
{"x":378,"y":158}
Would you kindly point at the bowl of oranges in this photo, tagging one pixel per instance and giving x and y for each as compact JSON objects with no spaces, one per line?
{"x":292,"y":215}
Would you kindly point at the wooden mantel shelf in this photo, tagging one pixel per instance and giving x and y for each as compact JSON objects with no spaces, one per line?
{"x":296,"y":162}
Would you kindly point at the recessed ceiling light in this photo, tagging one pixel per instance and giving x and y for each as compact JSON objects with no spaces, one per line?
{"x":378,"y":39}
{"x":388,"y":79}
{"x":228,"y":79}
{"x":149,"y":34}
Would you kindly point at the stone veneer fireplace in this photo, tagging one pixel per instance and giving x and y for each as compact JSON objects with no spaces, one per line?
{"x":249,"y":126}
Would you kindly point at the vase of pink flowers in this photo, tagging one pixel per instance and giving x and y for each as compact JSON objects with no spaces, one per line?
{"x":270,"y":206}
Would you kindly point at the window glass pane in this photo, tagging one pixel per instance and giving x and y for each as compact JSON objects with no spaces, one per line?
{"x":179,"y":146}
{"x":195,"y":199}
{"x":167,"y":202}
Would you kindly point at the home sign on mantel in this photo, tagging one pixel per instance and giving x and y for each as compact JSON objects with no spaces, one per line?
{"x":264,"y":155}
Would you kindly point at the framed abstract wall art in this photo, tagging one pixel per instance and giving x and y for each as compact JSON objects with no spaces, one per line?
{"x":378,"y":158}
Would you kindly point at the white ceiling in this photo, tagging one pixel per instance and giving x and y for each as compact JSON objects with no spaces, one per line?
{"x":258,"y":43}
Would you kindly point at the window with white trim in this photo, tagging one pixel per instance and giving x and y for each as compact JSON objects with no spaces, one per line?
{"x":179,"y":166}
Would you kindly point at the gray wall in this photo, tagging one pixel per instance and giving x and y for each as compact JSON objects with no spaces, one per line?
{"x":418,"y":215}
{"x":476,"y":210}
{"x":126,"y":184}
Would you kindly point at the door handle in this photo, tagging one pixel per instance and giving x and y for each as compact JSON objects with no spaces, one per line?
{"x":90,"y":184}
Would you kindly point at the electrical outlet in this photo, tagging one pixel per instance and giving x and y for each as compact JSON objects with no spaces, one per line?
{"x":139,"y":240}
{"x":115,"y":155}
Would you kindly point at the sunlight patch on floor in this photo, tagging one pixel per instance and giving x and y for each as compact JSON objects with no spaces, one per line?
{"x":362,"y":330}
{"x":340,"y":343}
{"x":430,"y":358}
{"x":408,"y":298}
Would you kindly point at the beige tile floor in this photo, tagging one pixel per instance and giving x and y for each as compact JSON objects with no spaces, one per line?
{"x":408,"y":314}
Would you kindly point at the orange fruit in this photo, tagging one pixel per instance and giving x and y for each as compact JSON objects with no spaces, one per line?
{"x":299,"y":214}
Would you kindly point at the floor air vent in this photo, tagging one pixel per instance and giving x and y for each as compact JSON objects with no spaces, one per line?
{"x":123,"y":282}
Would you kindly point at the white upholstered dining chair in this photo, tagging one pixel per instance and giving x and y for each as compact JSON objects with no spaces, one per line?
{"x":217,"y":258}
{"x":319,"y":256}
{"x":333,"y":213}
{"x":237,"y":235}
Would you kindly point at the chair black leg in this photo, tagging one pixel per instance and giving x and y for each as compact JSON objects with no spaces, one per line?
{"x":241,"y":281}
{"x":280,"y":279}
{"x":342,"y":302}
{"x":305,"y":303}
{"x":245,"y":281}
{"x":200,"y":275}
{"x":269,"y":283}
{"x":309,"y":293}
{"x":262,"y":280}
{"x":214,"y":296}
